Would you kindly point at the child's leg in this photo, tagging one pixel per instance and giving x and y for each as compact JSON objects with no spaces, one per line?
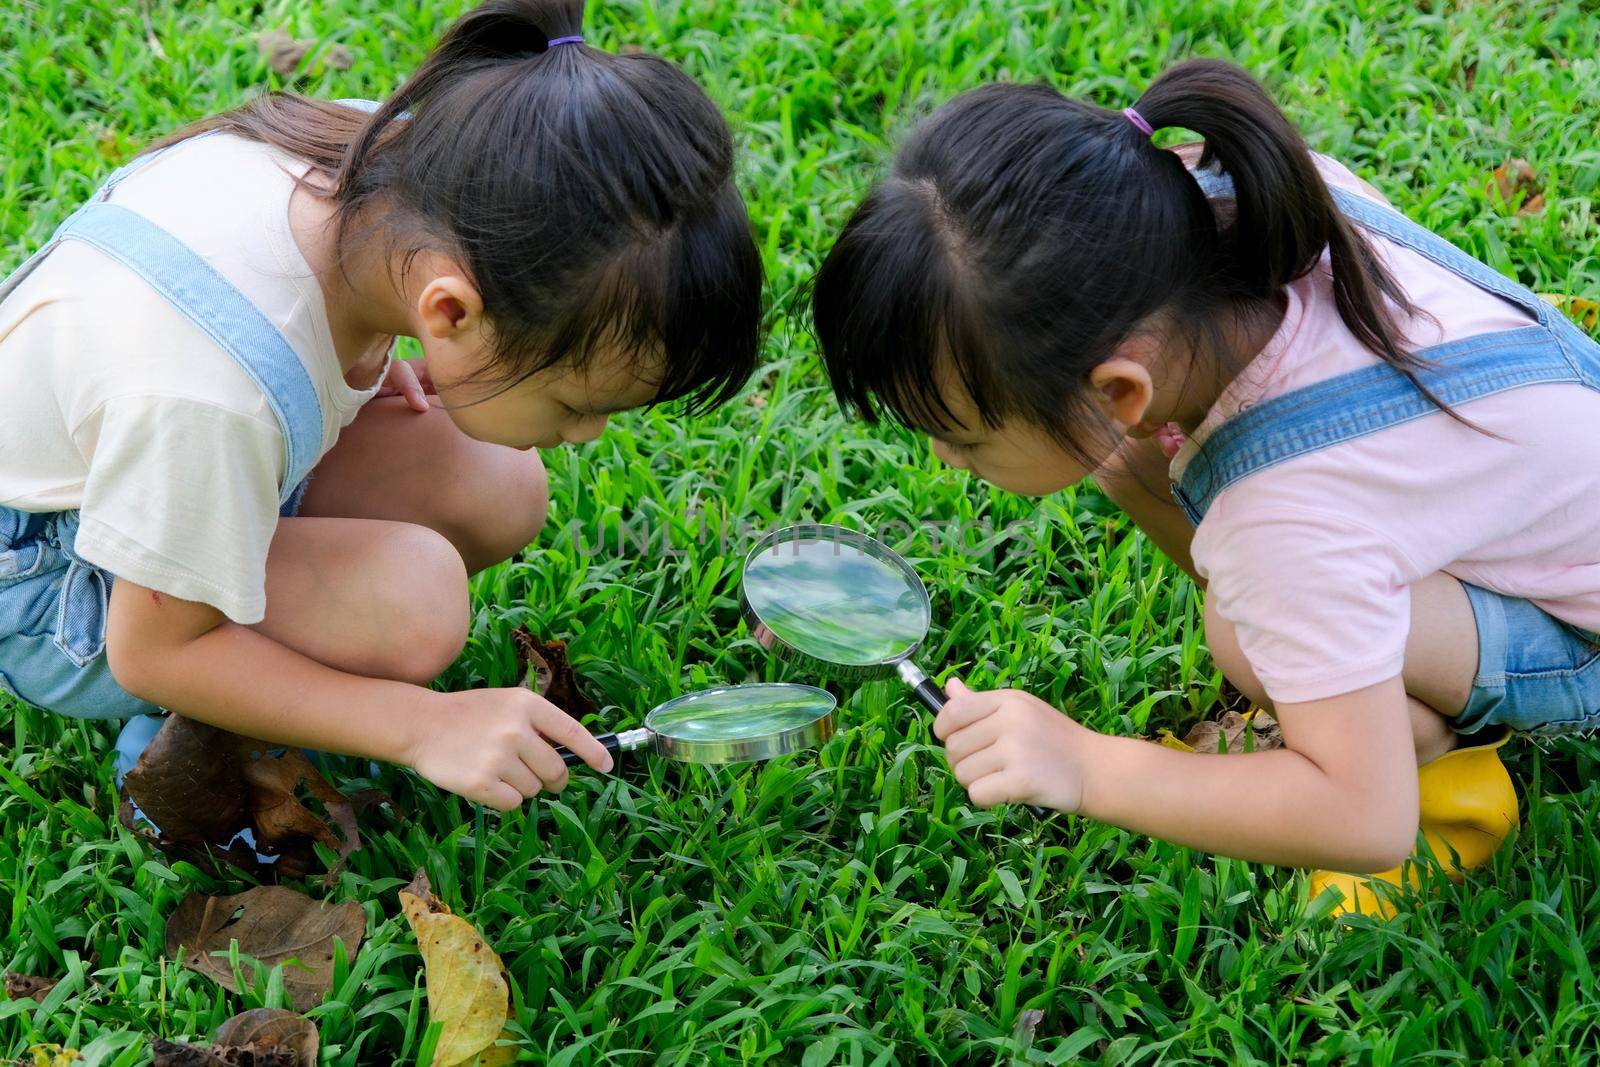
{"x":1135,"y":478}
{"x":398,"y":464}
{"x":365,"y":596}
{"x":369,"y":578}
{"x":1440,"y":663}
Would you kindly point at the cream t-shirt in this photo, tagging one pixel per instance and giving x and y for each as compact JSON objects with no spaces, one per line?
{"x":120,"y":407}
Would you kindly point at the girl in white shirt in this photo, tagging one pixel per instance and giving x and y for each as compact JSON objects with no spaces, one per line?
{"x":558,"y":227}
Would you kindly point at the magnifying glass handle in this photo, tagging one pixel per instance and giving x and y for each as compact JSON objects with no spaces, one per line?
{"x":572,"y":759}
{"x":927,"y":690}
{"x":616,"y":744}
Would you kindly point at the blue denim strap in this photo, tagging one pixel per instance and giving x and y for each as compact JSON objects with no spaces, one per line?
{"x":1362,"y":402}
{"x":226,"y":315}
{"x":1389,"y":223}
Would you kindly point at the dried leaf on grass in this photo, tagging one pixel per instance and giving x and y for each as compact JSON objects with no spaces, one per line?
{"x":1584,"y":312}
{"x":340,"y":57}
{"x":273,"y":925}
{"x":545,"y":665}
{"x":469,"y":993}
{"x":1227,"y":734}
{"x":202,"y":785}
{"x":1516,"y":181}
{"x":283,"y":51}
{"x":264,"y":1037}
{"x":20,"y":986}
{"x":50,"y":1056}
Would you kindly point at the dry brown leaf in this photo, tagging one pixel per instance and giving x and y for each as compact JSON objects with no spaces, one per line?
{"x":1228,"y":734}
{"x":202,"y":785}
{"x":273,"y":925}
{"x":187,"y":781}
{"x":177,"y":1054}
{"x":264,"y":1037}
{"x":340,"y":57}
{"x":545,"y":664}
{"x":283,"y":822}
{"x":283,"y":52}
{"x":1516,"y":181}
{"x":272,"y":1028}
{"x":19,"y":986}
{"x":1584,"y":312}
{"x":469,"y":993}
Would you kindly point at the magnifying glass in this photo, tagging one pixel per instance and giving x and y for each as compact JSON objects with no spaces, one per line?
{"x":841,"y":603}
{"x":733,"y":724}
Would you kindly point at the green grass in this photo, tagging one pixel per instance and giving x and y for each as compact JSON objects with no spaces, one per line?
{"x":848,"y":906}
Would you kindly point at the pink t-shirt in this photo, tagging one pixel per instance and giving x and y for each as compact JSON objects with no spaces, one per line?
{"x":1312,"y":560}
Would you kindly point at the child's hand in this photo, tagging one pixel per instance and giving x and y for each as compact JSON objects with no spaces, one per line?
{"x":1009,"y":747}
{"x":496,"y":746}
{"x":409,"y":378}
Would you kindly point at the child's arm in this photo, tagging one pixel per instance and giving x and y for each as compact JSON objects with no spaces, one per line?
{"x":1342,"y":795}
{"x":488,"y":744}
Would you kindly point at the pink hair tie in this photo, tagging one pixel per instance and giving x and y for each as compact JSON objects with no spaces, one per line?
{"x":1138,"y":122}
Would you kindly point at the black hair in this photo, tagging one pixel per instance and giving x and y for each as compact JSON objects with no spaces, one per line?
{"x":590,"y":194}
{"x":1022,"y":235}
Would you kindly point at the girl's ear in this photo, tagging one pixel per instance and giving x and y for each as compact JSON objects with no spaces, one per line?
{"x":449,"y":306}
{"x":1123,"y":390}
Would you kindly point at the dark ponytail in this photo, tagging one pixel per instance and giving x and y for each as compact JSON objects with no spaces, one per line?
{"x":1284,"y":215}
{"x":590,"y":194}
{"x":1022,"y":236}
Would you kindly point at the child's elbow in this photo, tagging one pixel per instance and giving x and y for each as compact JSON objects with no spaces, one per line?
{"x":1386,"y":842}
{"x":131,"y":672}
{"x":137,"y":666}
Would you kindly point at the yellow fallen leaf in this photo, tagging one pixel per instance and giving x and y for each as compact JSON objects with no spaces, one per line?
{"x":1168,"y":739}
{"x":53,"y":1056}
{"x":468,"y":992}
{"x":1584,"y":312}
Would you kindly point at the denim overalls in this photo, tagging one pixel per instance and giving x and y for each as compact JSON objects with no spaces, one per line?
{"x":1563,"y":691}
{"x":53,"y":604}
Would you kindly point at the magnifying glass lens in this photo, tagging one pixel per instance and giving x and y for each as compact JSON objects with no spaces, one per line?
{"x":833,"y":601}
{"x":740,"y":713}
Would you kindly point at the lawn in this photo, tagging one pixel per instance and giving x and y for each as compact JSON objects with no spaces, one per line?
{"x":849,"y":905}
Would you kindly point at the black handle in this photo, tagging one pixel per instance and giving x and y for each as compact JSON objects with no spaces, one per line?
{"x":572,"y":759}
{"x":933,"y":698}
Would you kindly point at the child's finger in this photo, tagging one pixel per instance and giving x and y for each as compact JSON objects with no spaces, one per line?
{"x":502,"y":796}
{"x":545,"y":762}
{"x":992,"y":789}
{"x":410,"y":387}
{"x":979,"y":765}
{"x":522,"y":777}
{"x":975,"y":738}
{"x":955,"y":686}
{"x":964,"y":709}
{"x":560,"y":728}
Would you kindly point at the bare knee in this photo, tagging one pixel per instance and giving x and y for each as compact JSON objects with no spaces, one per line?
{"x":501,"y":510}
{"x":427,"y":603}
{"x":1223,"y":640}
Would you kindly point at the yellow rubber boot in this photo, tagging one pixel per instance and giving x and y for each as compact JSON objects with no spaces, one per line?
{"x":1467,"y":806}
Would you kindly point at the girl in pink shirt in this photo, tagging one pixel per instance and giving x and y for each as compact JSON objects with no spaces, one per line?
{"x":1383,"y":456}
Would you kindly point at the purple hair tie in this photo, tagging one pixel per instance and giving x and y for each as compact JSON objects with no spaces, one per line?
{"x":1138,"y":122}
{"x":576,"y":38}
